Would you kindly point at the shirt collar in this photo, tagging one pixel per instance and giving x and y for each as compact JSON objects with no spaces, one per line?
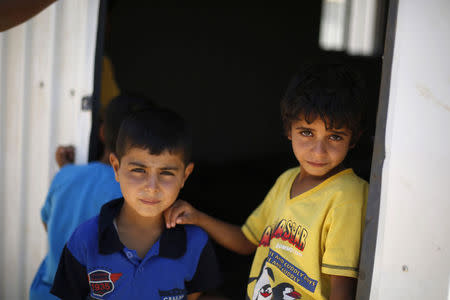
{"x":172,"y":241}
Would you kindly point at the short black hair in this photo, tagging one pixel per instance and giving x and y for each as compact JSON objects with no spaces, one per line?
{"x":155,"y":130}
{"x":331,"y":92}
{"x":116,"y":111}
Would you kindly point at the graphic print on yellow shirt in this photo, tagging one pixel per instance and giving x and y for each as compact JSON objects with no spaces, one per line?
{"x":287,"y":231}
{"x":303,"y":240}
{"x":263,"y":288}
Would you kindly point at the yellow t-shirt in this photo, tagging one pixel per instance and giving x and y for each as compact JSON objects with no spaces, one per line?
{"x":303,"y":240}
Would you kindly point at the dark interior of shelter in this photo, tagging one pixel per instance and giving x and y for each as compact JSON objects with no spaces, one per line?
{"x":225,"y":70}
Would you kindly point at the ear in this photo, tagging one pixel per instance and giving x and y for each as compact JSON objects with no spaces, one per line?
{"x":187,"y":171}
{"x":114,"y":161}
{"x":289,"y":135}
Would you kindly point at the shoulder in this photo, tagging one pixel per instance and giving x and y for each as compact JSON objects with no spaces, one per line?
{"x":197,"y":241}
{"x":287,"y":177}
{"x":96,"y":175}
{"x":288,"y":174}
{"x":195,"y":235}
{"x":70,"y":172}
{"x":73,"y":170}
{"x":349,"y":188}
{"x":86,"y":233}
{"x":350,"y":181}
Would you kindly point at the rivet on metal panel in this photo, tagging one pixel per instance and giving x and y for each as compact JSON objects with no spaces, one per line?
{"x":405,"y":268}
{"x":41,"y":84}
{"x":86,"y":103}
{"x":72,"y":92}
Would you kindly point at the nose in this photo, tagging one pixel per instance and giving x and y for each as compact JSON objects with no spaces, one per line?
{"x":320,"y":147}
{"x":151,"y":182}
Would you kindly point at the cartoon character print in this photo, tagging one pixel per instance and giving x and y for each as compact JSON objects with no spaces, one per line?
{"x":285,"y":291}
{"x":264,"y":291}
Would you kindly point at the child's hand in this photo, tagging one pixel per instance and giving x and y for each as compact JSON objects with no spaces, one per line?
{"x":180,"y":212}
{"x":65,"y":155}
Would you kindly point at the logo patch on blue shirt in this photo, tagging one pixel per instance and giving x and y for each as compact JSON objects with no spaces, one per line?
{"x":102,"y":282}
{"x":175,"y":294}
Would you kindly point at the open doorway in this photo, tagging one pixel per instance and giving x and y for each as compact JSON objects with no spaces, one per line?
{"x":225,"y":69}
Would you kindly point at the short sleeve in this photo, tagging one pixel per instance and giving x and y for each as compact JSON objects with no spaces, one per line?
{"x":71,"y":281}
{"x":207,"y":275}
{"x":343,"y":234}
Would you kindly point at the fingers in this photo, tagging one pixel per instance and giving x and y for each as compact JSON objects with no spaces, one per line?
{"x":70,"y":153}
{"x":176,"y":214}
{"x":59,"y":156}
{"x":167,"y":216}
{"x":65,"y":155}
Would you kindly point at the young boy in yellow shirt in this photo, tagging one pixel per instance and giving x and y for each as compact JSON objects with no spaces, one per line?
{"x":307,"y":232}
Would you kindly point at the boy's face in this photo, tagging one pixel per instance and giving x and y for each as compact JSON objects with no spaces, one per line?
{"x":318,"y":150}
{"x":150,"y":183}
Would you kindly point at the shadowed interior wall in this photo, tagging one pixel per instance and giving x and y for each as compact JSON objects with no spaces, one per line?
{"x":225,"y":70}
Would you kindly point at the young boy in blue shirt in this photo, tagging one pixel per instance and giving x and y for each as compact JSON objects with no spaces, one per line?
{"x":126,"y":252}
{"x":307,"y":232}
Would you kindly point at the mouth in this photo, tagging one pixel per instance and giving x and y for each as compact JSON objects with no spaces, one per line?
{"x":150,"y":201}
{"x":316,"y":164}
{"x":295,"y":295}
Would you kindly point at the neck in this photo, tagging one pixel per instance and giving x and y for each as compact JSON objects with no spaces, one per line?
{"x":306,"y":176}
{"x":304,"y":181}
{"x":129,"y":218}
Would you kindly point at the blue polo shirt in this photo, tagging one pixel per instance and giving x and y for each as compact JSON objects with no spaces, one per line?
{"x":95,"y":264}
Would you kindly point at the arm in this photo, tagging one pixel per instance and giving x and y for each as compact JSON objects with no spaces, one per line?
{"x":227,"y":235}
{"x":71,"y":280}
{"x":14,"y":12}
{"x":342,"y":288}
{"x":193,"y":296}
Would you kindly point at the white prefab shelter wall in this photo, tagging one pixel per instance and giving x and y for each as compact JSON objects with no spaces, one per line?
{"x":46,"y":67}
{"x":412,"y":259}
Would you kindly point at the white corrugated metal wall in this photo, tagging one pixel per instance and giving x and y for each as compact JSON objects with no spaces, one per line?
{"x":412,"y":258}
{"x":46,"y":67}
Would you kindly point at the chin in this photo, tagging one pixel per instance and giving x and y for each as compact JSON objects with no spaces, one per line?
{"x":316,"y":173}
{"x":149,"y":214}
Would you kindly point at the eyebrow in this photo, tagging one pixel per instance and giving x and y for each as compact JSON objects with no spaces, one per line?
{"x":303,"y":128}
{"x":339,"y":132}
{"x":170,"y":168}
{"x":137,"y":164}
{"x":167,"y":168}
